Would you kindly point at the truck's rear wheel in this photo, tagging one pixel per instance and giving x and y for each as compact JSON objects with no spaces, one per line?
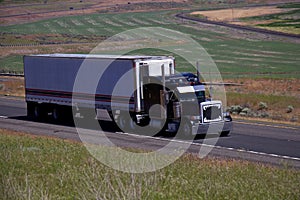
{"x":122,"y":122}
{"x":36,"y":111}
{"x":125,"y":123}
{"x":56,"y":113}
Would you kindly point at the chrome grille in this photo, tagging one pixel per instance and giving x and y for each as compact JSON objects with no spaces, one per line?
{"x":212,"y":112}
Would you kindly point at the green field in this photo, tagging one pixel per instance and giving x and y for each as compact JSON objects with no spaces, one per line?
{"x":234,"y":57}
{"x":46,"y":168}
{"x":12,"y":64}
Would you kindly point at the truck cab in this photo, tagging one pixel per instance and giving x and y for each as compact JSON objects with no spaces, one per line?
{"x":201,"y":115}
{"x":186,"y":108}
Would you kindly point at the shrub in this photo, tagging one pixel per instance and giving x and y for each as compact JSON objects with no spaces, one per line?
{"x":289,"y":109}
{"x":2,"y":87}
{"x":262,"y":106}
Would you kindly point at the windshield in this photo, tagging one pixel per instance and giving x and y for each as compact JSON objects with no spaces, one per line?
{"x":200,"y":95}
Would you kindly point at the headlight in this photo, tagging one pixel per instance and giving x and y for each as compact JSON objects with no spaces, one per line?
{"x":226,"y":114}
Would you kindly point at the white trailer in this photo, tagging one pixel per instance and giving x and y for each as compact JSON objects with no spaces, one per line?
{"x":52,"y":88}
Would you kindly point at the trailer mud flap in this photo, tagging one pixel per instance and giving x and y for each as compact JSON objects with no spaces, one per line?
{"x":102,"y":114}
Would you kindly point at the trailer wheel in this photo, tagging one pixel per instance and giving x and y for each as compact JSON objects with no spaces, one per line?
{"x":30,"y":111}
{"x":56,"y":113}
{"x":37,"y":112}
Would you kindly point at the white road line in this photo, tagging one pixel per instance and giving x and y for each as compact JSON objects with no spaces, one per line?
{"x":218,"y":147}
{"x":267,"y":125}
{"x":3,"y":117}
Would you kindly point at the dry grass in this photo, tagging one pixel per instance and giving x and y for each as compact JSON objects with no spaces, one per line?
{"x":235,"y":13}
{"x":12,"y":86}
{"x":280,"y":87}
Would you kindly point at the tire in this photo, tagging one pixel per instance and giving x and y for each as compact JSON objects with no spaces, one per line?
{"x":185,"y":130}
{"x":38,"y":112}
{"x":225,"y":133}
{"x":126,"y":124}
{"x":57,"y":114}
{"x":30,"y":111}
{"x":122,"y":123}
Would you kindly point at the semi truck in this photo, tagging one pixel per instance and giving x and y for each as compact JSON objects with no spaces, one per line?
{"x":131,"y":91}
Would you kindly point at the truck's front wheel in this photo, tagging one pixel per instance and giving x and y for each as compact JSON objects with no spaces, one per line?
{"x":185,"y":130}
{"x":225,"y":133}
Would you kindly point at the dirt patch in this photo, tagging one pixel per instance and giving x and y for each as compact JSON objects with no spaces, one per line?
{"x":230,"y":15}
{"x":12,"y":86}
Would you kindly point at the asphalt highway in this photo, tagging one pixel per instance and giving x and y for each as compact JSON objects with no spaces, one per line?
{"x":255,"y":141}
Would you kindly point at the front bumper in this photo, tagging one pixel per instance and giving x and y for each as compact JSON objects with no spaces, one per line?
{"x":212,"y":128}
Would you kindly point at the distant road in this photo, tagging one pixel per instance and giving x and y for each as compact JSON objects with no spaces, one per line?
{"x":254,"y":141}
{"x":236,"y":26}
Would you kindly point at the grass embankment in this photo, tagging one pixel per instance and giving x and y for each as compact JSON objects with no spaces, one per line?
{"x":45,"y":168}
{"x":280,"y":98}
{"x":279,"y":108}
